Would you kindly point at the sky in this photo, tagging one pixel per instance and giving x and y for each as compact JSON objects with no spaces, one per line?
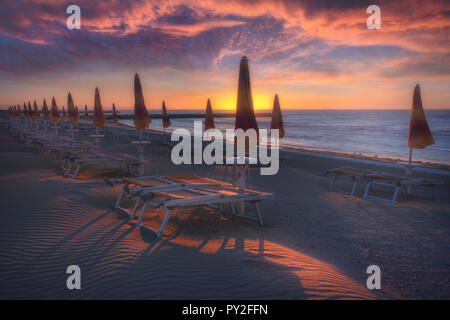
{"x":315,"y":54}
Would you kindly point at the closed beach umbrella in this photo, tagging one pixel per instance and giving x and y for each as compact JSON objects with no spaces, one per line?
{"x":245,"y":114}
{"x":29,"y":111}
{"x":165,"y":117}
{"x":419,"y":135}
{"x":209,"y":117}
{"x":45,"y":112}
{"x":141,"y":116}
{"x":115,"y":115}
{"x":245,"y":117}
{"x":56,"y":117}
{"x":277,"y":118}
{"x":71,"y":109}
{"x":64,"y":113}
{"x":36,"y":113}
{"x":99,"y":119}
{"x":86,"y":113}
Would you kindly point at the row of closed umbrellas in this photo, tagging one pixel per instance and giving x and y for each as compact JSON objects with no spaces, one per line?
{"x":245,"y":115}
{"x":419,"y":135}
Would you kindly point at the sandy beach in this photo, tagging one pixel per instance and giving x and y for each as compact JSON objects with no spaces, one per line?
{"x":315,"y":244}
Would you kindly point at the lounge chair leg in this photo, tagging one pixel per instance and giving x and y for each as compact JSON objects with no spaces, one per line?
{"x":355,"y":184}
{"x":366,"y":192}
{"x":76,"y":170}
{"x":258,"y":213}
{"x":119,"y":199}
{"x":67,"y":170}
{"x":397,"y":188}
{"x":141,"y":214}
{"x":330,"y":187}
{"x":164,"y":223}
{"x":233,"y":210}
{"x":135,"y":208}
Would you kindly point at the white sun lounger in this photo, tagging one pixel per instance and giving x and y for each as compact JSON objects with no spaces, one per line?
{"x":77,"y":159}
{"x":185,"y":191}
{"x":134,"y":187}
{"x":357,"y":175}
{"x":378,"y":178}
{"x":199,"y":196}
{"x":396,"y":183}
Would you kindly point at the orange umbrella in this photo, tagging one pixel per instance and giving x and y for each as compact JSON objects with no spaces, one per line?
{"x":277,"y":118}
{"x":209,"y":117}
{"x":29,"y":111}
{"x":419,"y":135}
{"x":36,"y":113}
{"x":45,"y":111}
{"x":86,"y":113}
{"x":115,"y":115}
{"x":56,"y":117}
{"x":165,"y":117}
{"x":245,"y":115}
{"x":99,"y":117}
{"x":141,"y":116}
{"x":71,"y":110}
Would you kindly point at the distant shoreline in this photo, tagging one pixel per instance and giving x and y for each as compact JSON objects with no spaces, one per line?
{"x":357,"y":156}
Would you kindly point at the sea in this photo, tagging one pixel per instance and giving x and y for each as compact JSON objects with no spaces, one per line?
{"x":382,"y":133}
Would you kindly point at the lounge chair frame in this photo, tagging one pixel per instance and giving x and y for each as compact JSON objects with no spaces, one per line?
{"x":357,"y":175}
{"x":204,"y":200}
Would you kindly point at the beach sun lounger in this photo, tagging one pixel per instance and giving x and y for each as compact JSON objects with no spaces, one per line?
{"x":179,"y":191}
{"x":73,"y":161}
{"x":395,"y":183}
{"x":378,"y":178}
{"x":134,"y":187}
{"x":357,"y":175}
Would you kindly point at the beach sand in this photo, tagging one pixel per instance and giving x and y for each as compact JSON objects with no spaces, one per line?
{"x":315,"y":244}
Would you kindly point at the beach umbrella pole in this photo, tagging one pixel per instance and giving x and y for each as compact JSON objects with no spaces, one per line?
{"x":97,"y":138}
{"x":72,"y":131}
{"x":140,"y":144}
{"x":140,"y":147}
